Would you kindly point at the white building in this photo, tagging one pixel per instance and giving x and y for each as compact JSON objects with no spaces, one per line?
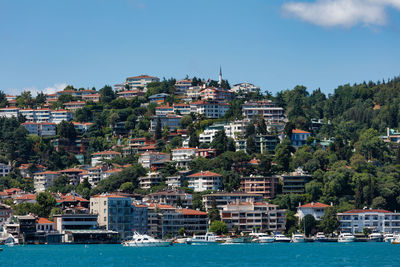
{"x":182,"y":108}
{"x":182,"y":86}
{"x":317,"y":210}
{"x":94,"y":175}
{"x":182,"y":156}
{"x":153,"y":159}
{"x":383,"y":221}
{"x":245,"y":88}
{"x":235,"y":130}
{"x":210,"y":109}
{"x":4,"y":169}
{"x":36,"y":115}
{"x":40,"y":129}
{"x":130,"y":94}
{"x":60,"y":115}
{"x":151,"y":179}
{"x":265,"y":109}
{"x":74,"y":105}
{"x":9,"y":112}
{"x":100,"y":157}
{"x":205,"y":180}
{"x":43,"y":180}
{"x":140,"y":81}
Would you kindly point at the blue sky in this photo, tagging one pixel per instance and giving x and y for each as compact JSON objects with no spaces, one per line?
{"x":272,"y":43}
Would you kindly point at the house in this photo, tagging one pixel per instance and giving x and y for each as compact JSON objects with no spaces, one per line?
{"x":91,"y":97}
{"x":26,"y":198}
{"x":5,"y":214}
{"x":43,"y":224}
{"x":100,"y":157}
{"x":182,"y":156}
{"x":182,"y":108}
{"x":82,"y":127}
{"x":141,"y":81}
{"x":153,"y":160}
{"x":5,"y":169}
{"x":222,"y":199}
{"x":267,"y":186}
{"x":205,"y":180}
{"x":247,"y":216}
{"x":74,"y":105}
{"x":164,"y":110}
{"x":317,"y":210}
{"x":219,"y":94}
{"x":43,"y":180}
{"x":114,"y":213}
{"x":382,"y":221}
{"x":150,"y":180}
{"x":299,"y":137}
{"x":210,"y":109}
{"x":245,"y":88}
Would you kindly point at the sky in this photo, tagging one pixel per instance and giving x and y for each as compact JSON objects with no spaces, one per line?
{"x":275,"y":44}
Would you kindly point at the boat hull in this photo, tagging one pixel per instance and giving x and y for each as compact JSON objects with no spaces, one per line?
{"x":152,"y":244}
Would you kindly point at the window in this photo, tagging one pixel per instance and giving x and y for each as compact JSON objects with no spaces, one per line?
{"x":105,"y":219}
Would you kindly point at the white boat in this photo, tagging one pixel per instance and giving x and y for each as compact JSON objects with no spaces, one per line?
{"x":208,"y":238}
{"x":279,"y":238}
{"x":375,"y":237}
{"x":298,"y":238}
{"x":262,"y":238}
{"x":396,"y":240}
{"x":181,"y":240}
{"x":10,"y":241}
{"x":346,"y":238}
{"x":389,"y":238}
{"x":320,"y":237}
{"x":139,"y":240}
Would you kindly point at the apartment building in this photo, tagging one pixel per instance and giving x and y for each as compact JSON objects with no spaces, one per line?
{"x":247,"y":216}
{"x":5,"y":169}
{"x":100,"y":157}
{"x":164,"y":110}
{"x":182,"y":156}
{"x":222,"y":199}
{"x":43,"y":180}
{"x":245,"y":88}
{"x":153,"y":160}
{"x":295,"y":182}
{"x":171,"y":121}
{"x":130,"y":94}
{"x":171,"y":197}
{"x":150,"y":180}
{"x":218,"y":94}
{"x":141,"y":81}
{"x":60,"y":115}
{"x":182,"y":86}
{"x":205,"y":180}
{"x":40,"y":129}
{"x":264,"y":185}
{"x":265,"y":109}
{"x":210,"y":109}
{"x":182,"y":109}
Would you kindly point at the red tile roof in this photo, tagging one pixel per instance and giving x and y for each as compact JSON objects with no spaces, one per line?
{"x":141,"y":77}
{"x":297,"y":131}
{"x":191,"y":212}
{"x":314,"y":205}
{"x":204,"y":174}
{"x":108,"y":196}
{"x":46,"y":172}
{"x":367,"y":210}
{"x":43,"y":221}
{"x":27,"y":197}
{"x":106,"y":153}
{"x":72,"y":170}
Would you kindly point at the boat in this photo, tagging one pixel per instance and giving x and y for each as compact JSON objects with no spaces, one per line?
{"x":262,"y":238}
{"x":139,"y":240}
{"x":375,"y":237}
{"x":180,"y":240}
{"x":208,"y":238}
{"x":346,"y":238}
{"x":396,"y":241}
{"x":298,"y":238}
{"x":320,"y":237}
{"x":389,"y":237}
{"x":10,"y":241}
{"x":280,"y":238}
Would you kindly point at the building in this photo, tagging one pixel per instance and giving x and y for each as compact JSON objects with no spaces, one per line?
{"x":182,"y":109}
{"x":43,"y":224}
{"x":164,"y":110}
{"x":36,"y":115}
{"x":43,"y":180}
{"x":114,"y":213}
{"x":218,"y":94}
{"x":317,"y":210}
{"x":60,"y":115}
{"x":150,"y":180}
{"x":100,"y":157}
{"x":193,"y":92}
{"x":299,"y":137}
{"x":130,"y":94}
{"x":5,"y":214}
{"x":153,"y":160}
{"x":73,"y":175}
{"x":5,"y":169}
{"x":245,"y":88}
{"x":267,"y":186}
{"x":223,"y":199}
{"x":249,"y":217}
{"x":176,"y":198}
{"x":171,"y":121}
{"x":382,"y":221}
{"x":141,"y":81}
{"x":210,"y":109}
{"x":40,"y":128}
{"x":74,"y":105}
{"x":295,"y":182}
{"x":140,"y":218}
{"x":91,"y":97}
{"x":82,"y":127}
{"x":274,"y":116}
{"x":234,"y":130}
{"x":205,"y":180}
{"x":182,"y":86}
{"x":9,"y":112}
{"x":182,"y":156}
{"x":95,"y":174}
{"x":158,"y":98}
{"x":194,"y":221}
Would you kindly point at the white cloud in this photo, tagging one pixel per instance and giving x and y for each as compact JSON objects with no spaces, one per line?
{"x":343,"y":13}
{"x":34,"y":90}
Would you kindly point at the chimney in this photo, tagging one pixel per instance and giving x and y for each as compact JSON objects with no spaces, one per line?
{"x":312,"y":203}
{"x":331,"y":204}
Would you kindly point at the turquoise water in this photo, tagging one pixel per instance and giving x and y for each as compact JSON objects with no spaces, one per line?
{"x":309,"y":254}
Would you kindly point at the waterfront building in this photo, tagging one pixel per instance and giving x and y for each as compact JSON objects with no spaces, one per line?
{"x":248,"y":216}
{"x":317,"y":210}
{"x":43,"y":224}
{"x":265,"y":185}
{"x":140,"y":218}
{"x":379,"y":220}
{"x":5,"y":214}
{"x":222,"y":199}
{"x":205,"y":180}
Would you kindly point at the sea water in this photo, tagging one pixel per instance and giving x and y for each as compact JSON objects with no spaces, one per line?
{"x":275,"y":254}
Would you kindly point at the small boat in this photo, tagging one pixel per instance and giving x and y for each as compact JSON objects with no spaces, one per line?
{"x":396,"y":241}
{"x":262,"y":238}
{"x":279,"y":238}
{"x":320,"y":237}
{"x":389,"y":237}
{"x":180,"y":240}
{"x":346,"y":238}
{"x":298,"y":238}
{"x":208,"y":238}
{"x":139,"y":240}
{"x":375,"y":237}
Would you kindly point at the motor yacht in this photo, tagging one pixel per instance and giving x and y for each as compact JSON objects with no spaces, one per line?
{"x":279,"y":238}
{"x":375,"y":237}
{"x":389,"y":237}
{"x":346,"y":238}
{"x":262,"y":238}
{"x":320,"y":237}
{"x":139,"y":240}
{"x":396,"y":241}
{"x":298,"y":238}
{"x":208,"y":238}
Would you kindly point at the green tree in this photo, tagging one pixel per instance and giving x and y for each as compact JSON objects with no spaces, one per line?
{"x":218,"y":227}
{"x":45,"y":203}
{"x":308,"y":224}
{"x":213,"y":213}
{"x":181,"y":232}
{"x":66,"y":130}
{"x":329,"y":222}
{"x":127,"y":187}
{"x":283,"y":153}
{"x":158,"y":130}
{"x":107,"y":94}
